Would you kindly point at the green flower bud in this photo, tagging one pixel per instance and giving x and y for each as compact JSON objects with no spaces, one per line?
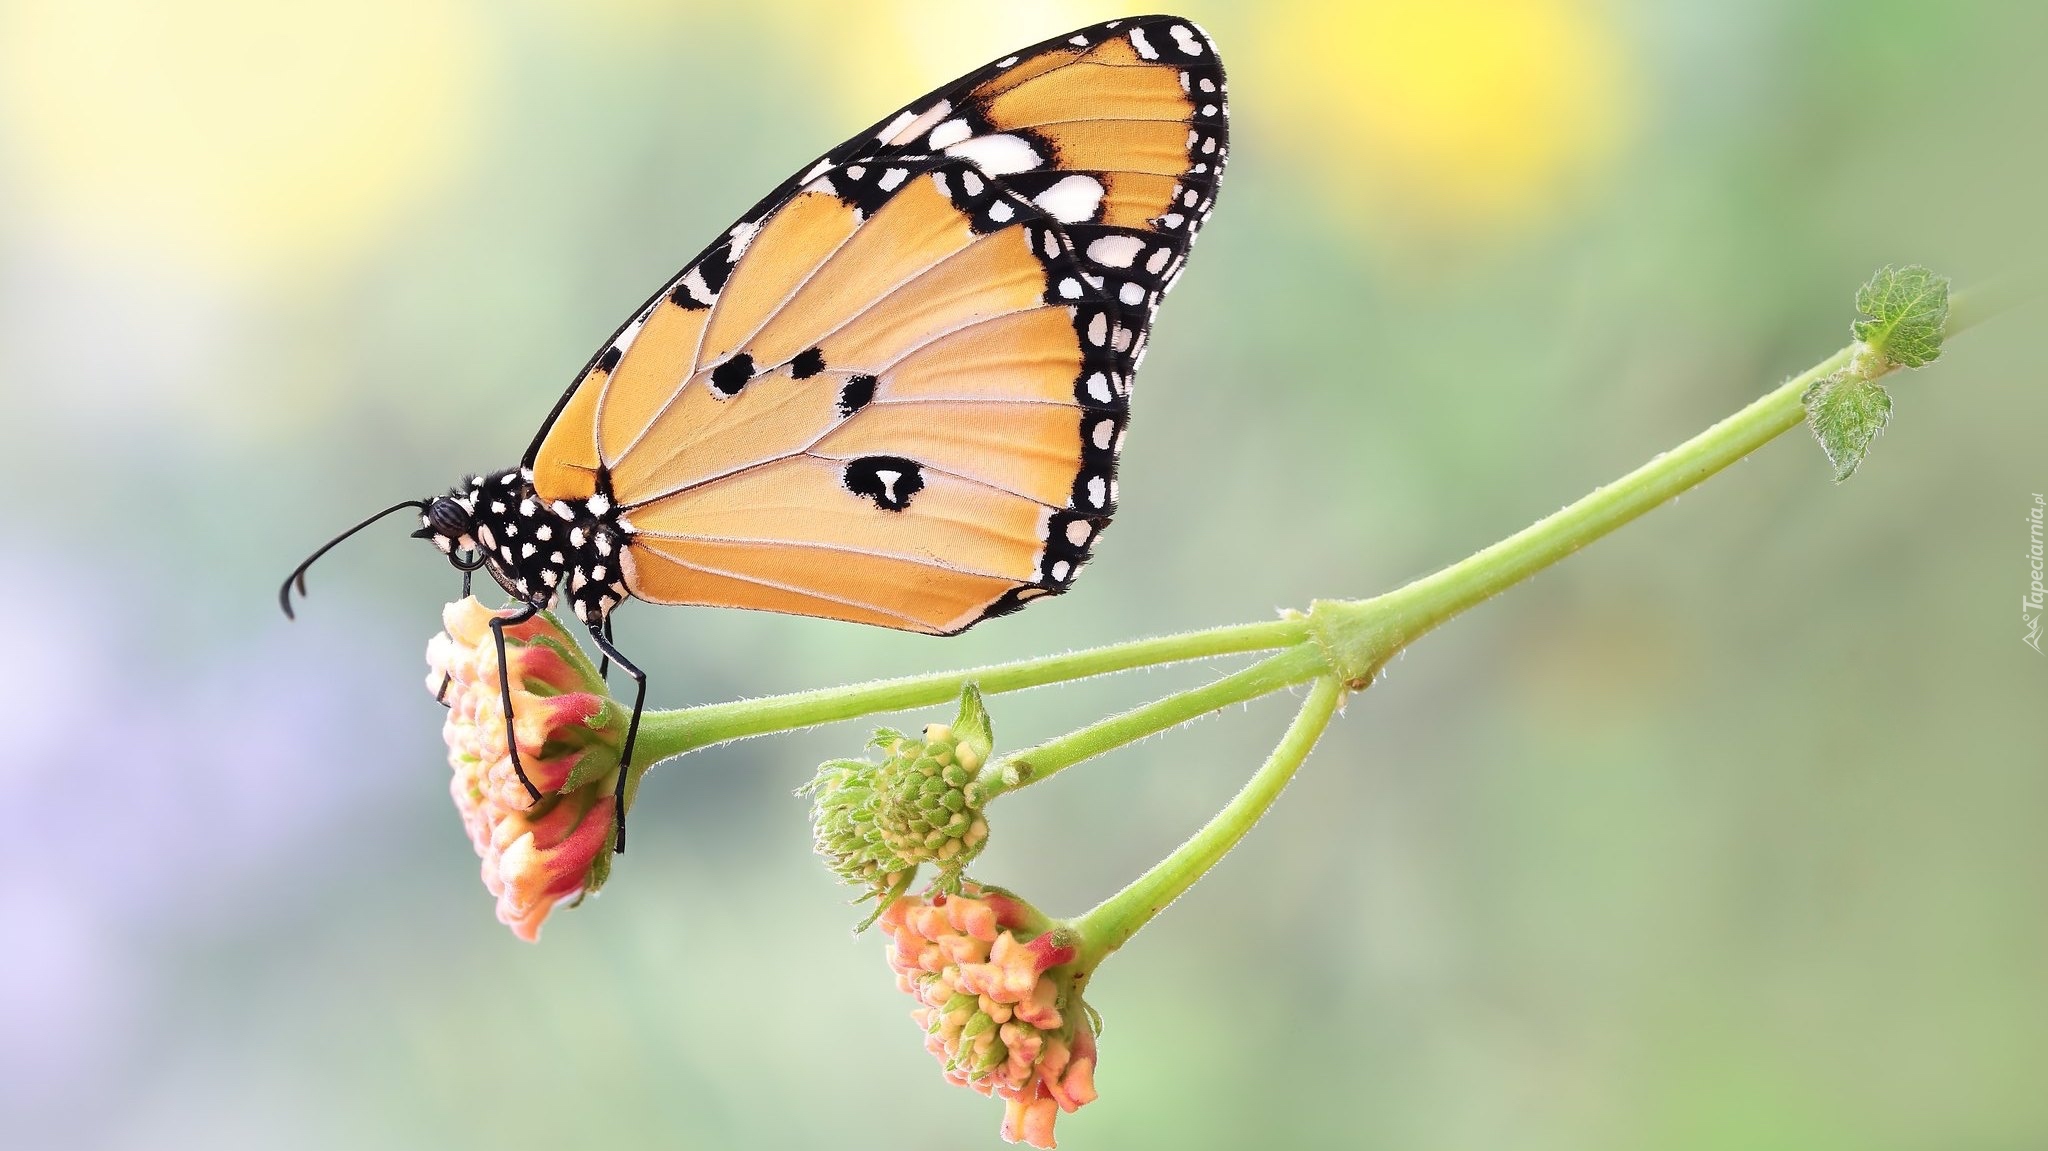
{"x":844,"y":831}
{"x":875,"y":823}
{"x":926,"y":808}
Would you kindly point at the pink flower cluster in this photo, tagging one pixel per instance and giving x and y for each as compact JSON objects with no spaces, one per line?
{"x":996,"y":1007}
{"x":535,"y":853}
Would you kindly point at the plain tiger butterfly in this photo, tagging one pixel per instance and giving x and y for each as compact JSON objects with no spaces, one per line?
{"x":894,"y":392}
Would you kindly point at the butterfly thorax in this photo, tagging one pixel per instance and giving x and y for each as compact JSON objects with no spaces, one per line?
{"x":535,"y":549}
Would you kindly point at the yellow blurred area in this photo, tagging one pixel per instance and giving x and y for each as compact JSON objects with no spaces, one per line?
{"x":885,"y":53}
{"x":243,"y":137}
{"x":246,"y":138}
{"x":1450,"y":114}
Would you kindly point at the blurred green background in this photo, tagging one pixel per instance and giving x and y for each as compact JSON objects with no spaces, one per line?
{"x":1725,"y":834}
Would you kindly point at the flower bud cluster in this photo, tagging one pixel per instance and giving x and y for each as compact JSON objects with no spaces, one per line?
{"x":535,"y":853}
{"x":843,"y":804}
{"x":927,"y":810}
{"x":994,"y":986}
{"x":875,"y":823}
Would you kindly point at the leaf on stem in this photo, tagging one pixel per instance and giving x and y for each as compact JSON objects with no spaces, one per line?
{"x":1846,"y":412}
{"x":1906,"y":309}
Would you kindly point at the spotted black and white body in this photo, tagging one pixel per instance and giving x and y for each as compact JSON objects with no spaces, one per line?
{"x":537,"y":551}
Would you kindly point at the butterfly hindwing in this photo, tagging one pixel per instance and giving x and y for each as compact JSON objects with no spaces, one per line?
{"x":894,"y":392}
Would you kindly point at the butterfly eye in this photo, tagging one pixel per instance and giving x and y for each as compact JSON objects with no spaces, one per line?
{"x":449,"y":518}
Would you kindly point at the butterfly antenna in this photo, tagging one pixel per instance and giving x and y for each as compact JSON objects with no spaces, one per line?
{"x":298,"y":576}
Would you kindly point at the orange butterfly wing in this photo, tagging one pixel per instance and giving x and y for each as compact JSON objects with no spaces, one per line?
{"x":894,"y":392}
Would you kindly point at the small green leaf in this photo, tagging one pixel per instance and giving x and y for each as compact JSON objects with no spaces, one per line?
{"x":1846,"y":413}
{"x":1907,"y":308}
{"x":972,"y":726}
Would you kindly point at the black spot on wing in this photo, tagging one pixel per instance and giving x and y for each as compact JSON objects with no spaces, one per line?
{"x":890,"y":481}
{"x":729,"y":377}
{"x":808,"y":363}
{"x":856,"y":394}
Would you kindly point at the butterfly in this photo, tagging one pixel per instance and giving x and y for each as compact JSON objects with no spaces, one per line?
{"x":894,"y":392}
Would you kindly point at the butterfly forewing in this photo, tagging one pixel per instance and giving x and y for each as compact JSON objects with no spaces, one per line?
{"x":894,"y":392}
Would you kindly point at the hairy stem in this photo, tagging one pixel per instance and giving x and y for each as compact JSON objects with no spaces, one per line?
{"x":1116,"y":919}
{"x":1361,"y":635}
{"x":672,"y":733}
{"x":1032,"y":764}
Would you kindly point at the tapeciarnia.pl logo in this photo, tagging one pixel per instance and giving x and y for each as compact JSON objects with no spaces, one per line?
{"x":2031,"y":604}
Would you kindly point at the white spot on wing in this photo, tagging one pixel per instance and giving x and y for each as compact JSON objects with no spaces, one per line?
{"x":1186,"y":39}
{"x":699,"y":291}
{"x":895,"y":127}
{"x":1115,"y":251}
{"x":1073,"y":199}
{"x":1000,"y":211}
{"x":893,"y":179}
{"x":918,"y":125}
{"x":1143,"y":45}
{"x":818,"y":169}
{"x":950,"y":133}
{"x":996,"y":155}
{"x":742,"y":235}
{"x":625,"y":341}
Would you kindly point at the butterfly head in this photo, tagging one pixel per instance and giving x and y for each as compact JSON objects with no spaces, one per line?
{"x":450,"y":522}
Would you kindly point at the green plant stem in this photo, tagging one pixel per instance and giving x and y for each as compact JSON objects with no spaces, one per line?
{"x":1429,"y":601}
{"x":1116,"y":919}
{"x":1361,"y":635}
{"x":670,"y":733}
{"x":1297,"y":664}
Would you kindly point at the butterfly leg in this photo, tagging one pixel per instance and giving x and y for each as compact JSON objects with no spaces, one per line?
{"x":604,"y":665}
{"x":441,"y":697}
{"x":602,"y":634}
{"x":498,"y":624}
